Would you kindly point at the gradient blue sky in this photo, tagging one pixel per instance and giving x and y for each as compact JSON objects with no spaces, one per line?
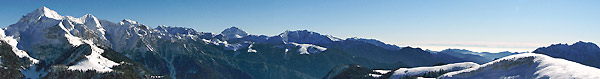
{"x":479,"y":25}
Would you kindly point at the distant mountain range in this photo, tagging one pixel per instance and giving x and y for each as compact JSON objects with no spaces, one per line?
{"x":586,"y":53}
{"x":560,"y":61}
{"x":44,"y":44}
{"x":477,"y":57}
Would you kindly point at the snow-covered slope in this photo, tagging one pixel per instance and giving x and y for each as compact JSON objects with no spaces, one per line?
{"x":225,"y":44}
{"x":308,"y":48}
{"x":527,"y":66}
{"x":427,"y":71}
{"x":250,"y":49}
{"x":93,"y":61}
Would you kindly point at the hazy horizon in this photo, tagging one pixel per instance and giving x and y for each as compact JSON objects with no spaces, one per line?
{"x":482,"y":26}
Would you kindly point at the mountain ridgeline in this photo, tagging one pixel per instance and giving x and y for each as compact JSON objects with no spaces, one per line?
{"x":44,"y":44}
{"x":586,"y":53}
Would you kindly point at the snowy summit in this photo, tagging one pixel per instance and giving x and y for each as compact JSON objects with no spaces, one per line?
{"x":527,"y":66}
{"x":233,"y":32}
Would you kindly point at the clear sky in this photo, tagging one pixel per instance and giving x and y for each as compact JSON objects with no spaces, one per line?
{"x":479,"y":25}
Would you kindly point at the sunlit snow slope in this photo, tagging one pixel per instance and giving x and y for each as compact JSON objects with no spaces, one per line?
{"x":425,"y":71}
{"x":527,"y":66}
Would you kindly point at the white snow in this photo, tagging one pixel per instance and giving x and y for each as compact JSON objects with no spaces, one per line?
{"x":528,"y":66}
{"x":94,"y":61}
{"x":128,"y":22}
{"x":156,"y":76}
{"x":306,"y":48}
{"x":378,"y":73}
{"x":227,"y":46}
{"x":404,"y":72}
{"x":75,"y":41}
{"x":149,"y":47}
{"x":375,"y":75}
{"x":333,"y":38}
{"x":250,"y":49}
{"x":43,"y":11}
{"x":382,"y":71}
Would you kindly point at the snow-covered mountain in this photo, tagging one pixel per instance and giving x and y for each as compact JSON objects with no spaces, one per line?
{"x":54,"y":46}
{"x":233,"y":32}
{"x":44,"y":28}
{"x":586,"y":53}
{"x":48,"y":37}
{"x":49,"y":45}
{"x":306,"y":37}
{"x":527,"y":66}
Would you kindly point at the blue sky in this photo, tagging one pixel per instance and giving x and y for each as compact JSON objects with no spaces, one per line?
{"x":479,"y":25}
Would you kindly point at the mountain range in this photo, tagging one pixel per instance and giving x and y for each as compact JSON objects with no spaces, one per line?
{"x":49,"y":45}
{"x":586,"y":53}
{"x":44,"y":44}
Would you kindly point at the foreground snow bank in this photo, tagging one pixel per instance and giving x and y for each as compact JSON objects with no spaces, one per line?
{"x":424,"y":71}
{"x":527,"y":66}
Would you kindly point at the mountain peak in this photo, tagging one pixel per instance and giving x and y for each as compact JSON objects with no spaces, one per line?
{"x":89,"y":16}
{"x":233,"y":32}
{"x":580,"y":45}
{"x":306,"y":37}
{"x":43,"y":12}
{"x":128,"y":22}
{"x":233,"y":28}
{"x":298,"y":32}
